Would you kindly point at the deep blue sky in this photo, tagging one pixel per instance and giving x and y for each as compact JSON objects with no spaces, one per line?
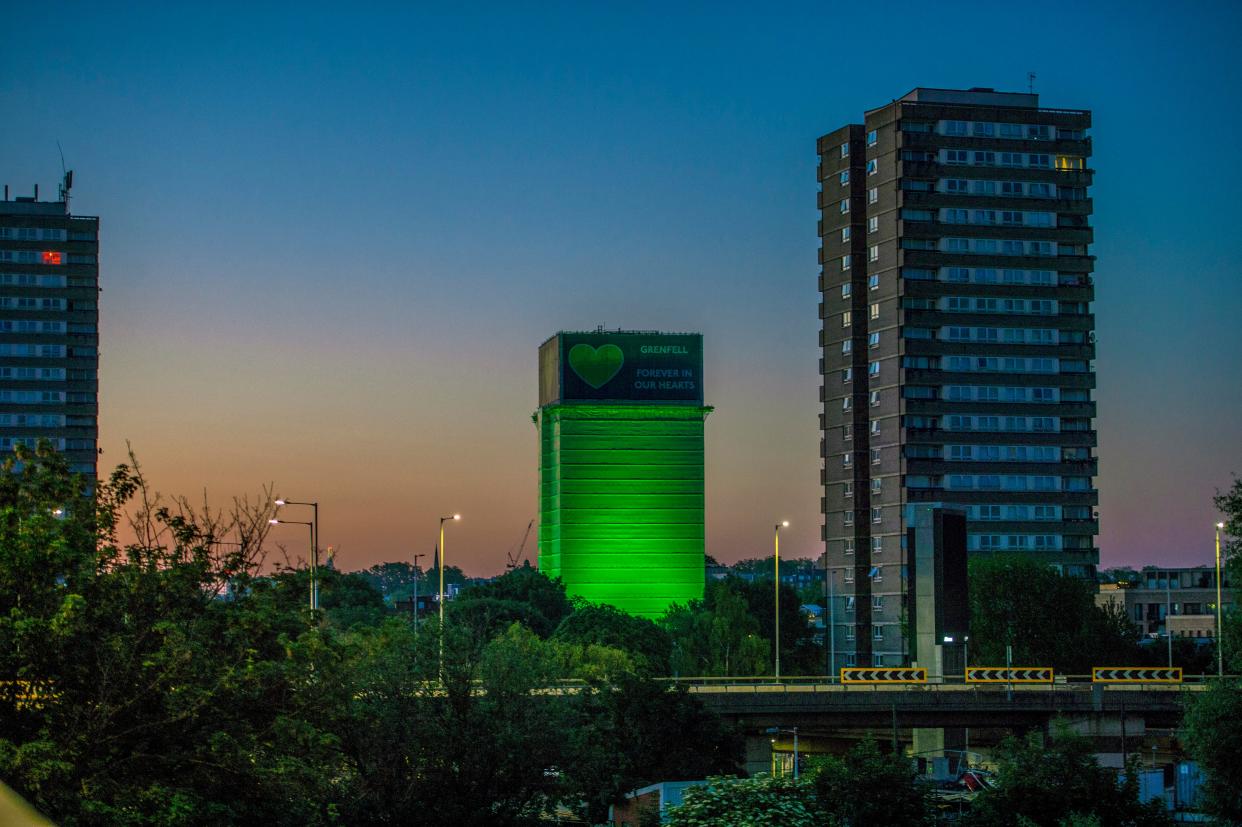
{"x":335,"y":235}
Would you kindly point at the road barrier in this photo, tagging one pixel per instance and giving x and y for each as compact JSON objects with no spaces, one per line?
{"x":1136,"y":674}
{"x":878,"y":675}
{"x":1011,"y":674}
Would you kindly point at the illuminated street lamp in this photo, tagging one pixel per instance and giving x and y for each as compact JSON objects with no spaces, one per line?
{"x":443,"y":520}
{"x":314,"y":561}
{"x":314,"y":592}
{"x":776,"y":565}
{"x":1220,"y":637}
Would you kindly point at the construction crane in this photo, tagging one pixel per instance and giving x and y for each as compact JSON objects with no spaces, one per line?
{"x":514,"y":557}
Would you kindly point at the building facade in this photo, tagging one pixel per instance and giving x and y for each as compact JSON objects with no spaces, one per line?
{"x":49,"y":327}
{"x":1181,"y":601}
{"x":957,"y":343}
{"x":620,"y":423}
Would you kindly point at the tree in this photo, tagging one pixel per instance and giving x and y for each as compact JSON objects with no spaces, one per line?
{"x":716,"y":636}
{"x":633,"y":731}
{"x":1055,"y":779}
{"x":1010,"y":598}
{"x":1213,"y":722}
{"x":546,"y":597}
{"x":608,"y":626}
{"x":762,"y":801}
{"x":865,"y":788}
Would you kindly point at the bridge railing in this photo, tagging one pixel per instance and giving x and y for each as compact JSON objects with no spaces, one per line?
{"x":935,"y":683}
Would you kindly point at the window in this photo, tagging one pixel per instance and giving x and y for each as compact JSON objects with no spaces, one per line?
{"x":873,"y":282}
{"x":844,"y":177}
{"x":849,"y":492}
{"x":875,"y":486}
{"x":955,"y":216}
{"x":956,"y":185}
{"x":873,"y":195}
{"x":875,"y":427}
{"x":875,"y":310}
{"x":845,"y":233}
{"x":845,"y":150}
{"x":877,"y":515}
{"x":848,"y":518}
{"x":874,"y":253}
{"x":873,"y":339}
{"x":874,"y":369}
{"x":846,"y":262}
{"x":877,"y":545}
{"x":846,"y":318}
{"x":873,"y":224}
{"x":847,"y":460}
{"x":845,"y":290}
{"x":847,"y":346}
{"x":872,"y":139}
{"x":877,"y":602}
{"x":845,"y":205}
{"x":847,"y":374}
{"x":845,"y":403}
{"x":847,"y":432}
{"x":876,"y":456}
{"x":984,"y":130}
{"x":873,"y":166}
{"x":955,"y":127}
{"x":875,"y":399}
{"x":985,"y":158}
{"x":956,"y":156}
{"x":849,"y":544}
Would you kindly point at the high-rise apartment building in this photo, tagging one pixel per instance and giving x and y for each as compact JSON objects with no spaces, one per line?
{"x":49,"y":327}
{"x":957,"y":343}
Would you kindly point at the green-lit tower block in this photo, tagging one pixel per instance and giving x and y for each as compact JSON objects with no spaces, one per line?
{"x":621,"y":481}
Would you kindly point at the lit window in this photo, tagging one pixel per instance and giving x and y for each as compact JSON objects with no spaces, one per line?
{"x":875,"y":310}
{"x":49,"y":257}
{"x":846,"y":318}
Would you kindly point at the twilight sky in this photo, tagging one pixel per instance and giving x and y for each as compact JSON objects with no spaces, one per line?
{"x":333,"y":239}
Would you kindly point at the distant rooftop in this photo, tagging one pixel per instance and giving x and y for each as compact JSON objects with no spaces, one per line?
{"x":977,"y":96}
{"x":31,"y":205}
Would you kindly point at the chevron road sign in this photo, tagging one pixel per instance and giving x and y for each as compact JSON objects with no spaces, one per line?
{"x":858,"y":675}
{"x":1014,"y":674}
{"x":1135,"y":674}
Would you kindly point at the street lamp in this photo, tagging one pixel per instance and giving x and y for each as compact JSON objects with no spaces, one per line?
{"x":1220,"y":636}
{"x":772,"y":730}
{"x":776,"y":565}
{"x":314,"y":594}
{"x":314,"y":561}
{"x":440,"y":550}
{"x":417,"y":576}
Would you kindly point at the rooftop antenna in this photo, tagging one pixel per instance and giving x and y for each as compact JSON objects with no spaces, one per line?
{"x":66,"y":183}
{"x":1030,"y":82}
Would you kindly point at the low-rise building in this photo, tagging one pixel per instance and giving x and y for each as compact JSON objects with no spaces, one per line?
{"x":1188,"y":595}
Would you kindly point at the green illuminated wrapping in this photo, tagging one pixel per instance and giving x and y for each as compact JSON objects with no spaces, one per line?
{"x":621,"y":502}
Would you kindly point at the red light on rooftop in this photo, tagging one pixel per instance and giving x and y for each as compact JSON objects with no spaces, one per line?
{"x":50,"y":257}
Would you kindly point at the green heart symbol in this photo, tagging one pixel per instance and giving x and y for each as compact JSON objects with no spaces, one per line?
{"x":596,"y":366}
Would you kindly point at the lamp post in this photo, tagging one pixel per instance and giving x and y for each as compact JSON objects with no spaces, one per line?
{"x":772,"y":730}
{"x":314,"y":561}
{"x":314,"y":592}
{"x":418,"y":575}
{"x":1220,"y":634}
{"x":776,"y":566}
{"x":443,"y":520}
